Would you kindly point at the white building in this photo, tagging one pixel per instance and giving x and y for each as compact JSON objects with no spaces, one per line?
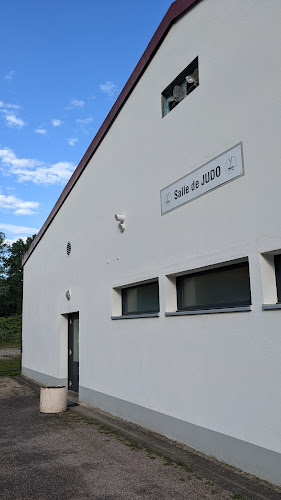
{"x":178,"y":317}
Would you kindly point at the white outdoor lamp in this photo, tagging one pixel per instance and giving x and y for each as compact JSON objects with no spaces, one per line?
{"x":121,"y":220}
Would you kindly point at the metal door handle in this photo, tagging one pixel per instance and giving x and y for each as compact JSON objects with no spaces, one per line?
{"x":70,"y":352}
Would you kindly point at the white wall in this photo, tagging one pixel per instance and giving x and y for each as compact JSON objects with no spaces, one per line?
{"x":219,"y":371}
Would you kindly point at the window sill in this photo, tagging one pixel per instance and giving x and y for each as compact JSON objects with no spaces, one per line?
{"x":267,"y":307}
{"x":210,"y":311}
{"x":134,"y":316}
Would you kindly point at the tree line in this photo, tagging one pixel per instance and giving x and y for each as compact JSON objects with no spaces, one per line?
{"x":11,"y":274}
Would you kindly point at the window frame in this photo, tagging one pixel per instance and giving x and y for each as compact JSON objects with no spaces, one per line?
{"x":223,"y":305}
{"x":179,"y":80}
{"x":124,"y":291}
{"x":277,"y":269}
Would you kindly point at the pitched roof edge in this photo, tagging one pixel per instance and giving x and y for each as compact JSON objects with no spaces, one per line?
{"x":177,"y":9}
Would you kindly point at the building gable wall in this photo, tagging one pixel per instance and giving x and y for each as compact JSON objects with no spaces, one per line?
{"x":207,"y":370}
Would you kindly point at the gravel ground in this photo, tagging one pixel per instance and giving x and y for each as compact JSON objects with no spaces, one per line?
{"x":63,"y":457}
{"x":9,"y":352}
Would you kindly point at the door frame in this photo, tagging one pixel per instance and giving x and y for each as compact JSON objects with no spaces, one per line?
{"x":73,"y":350}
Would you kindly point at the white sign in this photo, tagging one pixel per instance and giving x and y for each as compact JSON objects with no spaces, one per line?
{"x":222,"y":169}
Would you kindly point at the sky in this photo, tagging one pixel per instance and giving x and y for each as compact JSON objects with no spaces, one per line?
{"x":63,"y":65}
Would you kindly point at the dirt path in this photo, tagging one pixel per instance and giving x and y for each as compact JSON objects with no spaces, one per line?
{"x":63,"y":457}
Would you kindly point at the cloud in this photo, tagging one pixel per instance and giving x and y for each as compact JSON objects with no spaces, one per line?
{"x":10,"y":241}
{"x":9,"y":75}
{"x":41,"y":131}
{"x":10,"y":189}
{"x":17,"y":206}
{"x":33,"y":170}
{"x":109,"y":88}
{"x":58,"y":173}
{"x":9,"y":112}
{"x":57,"y":123}
{"x":9,"y":228}
{"x":9,"y":159}
{"x":84,"y":121}
{"x":72,"y":142}
{"x":74,"y":103}
{"x":8,"y":106}
{"x":24,"y":211}
{"x":14,"y":121}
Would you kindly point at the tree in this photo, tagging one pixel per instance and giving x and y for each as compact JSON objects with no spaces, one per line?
{"x":3,"y":248}
{"x":3,"y":286}
{"x":11,"y":281}
{"x":2,"y":253}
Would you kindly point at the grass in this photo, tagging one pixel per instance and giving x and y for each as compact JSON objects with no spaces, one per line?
{"x":10,"y":365}
{"x":10,"y":338}
{"x":152,"y":455}
{"x":10,"y":331}
{"x":6,"y":343}
{"x":103,"y":429}
{"x":187,"y":473}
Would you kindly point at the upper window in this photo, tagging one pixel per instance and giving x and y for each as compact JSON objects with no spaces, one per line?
{"x":277,"y":265}
{"x":183,"y":85}
{"x":140,"y":299}
{"x":222,"y":287}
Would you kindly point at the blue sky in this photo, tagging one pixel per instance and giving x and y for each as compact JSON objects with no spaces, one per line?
{"x":63,"y":64}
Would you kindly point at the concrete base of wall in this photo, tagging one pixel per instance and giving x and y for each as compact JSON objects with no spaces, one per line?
{"x":42,"y":378}
{"x":256,"y":460}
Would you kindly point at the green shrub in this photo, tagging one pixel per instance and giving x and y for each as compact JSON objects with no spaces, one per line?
{"x":10,"y":365}
{"x":10,"y":327}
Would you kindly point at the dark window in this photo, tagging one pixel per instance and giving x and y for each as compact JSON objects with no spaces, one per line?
{"x":180,"y":87}
{"x":277,"y":264}
{"x":140,"y":299}
{"x":227,"y":286}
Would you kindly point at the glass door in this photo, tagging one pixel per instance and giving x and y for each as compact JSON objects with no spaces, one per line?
{"x":73,"y":352}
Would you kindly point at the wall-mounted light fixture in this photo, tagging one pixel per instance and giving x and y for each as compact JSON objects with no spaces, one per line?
{"x":193,"y":78}
{"x":121,"y":220}
{"x":68,"y":294}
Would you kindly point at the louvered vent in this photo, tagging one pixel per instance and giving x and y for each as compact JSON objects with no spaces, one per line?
{"x":68,"y":248}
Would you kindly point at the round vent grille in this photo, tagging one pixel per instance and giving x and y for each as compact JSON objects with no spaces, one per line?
{"x":68,"y":248}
